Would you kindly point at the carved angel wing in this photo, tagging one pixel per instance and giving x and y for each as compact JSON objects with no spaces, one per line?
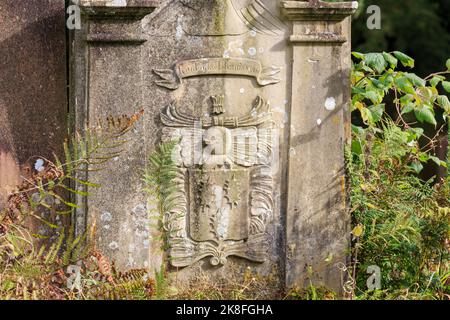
{"x":171,"y":117}
{"x":169,"y":78}
{"x":258,"y":17}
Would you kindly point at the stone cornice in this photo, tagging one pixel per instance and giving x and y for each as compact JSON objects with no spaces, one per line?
{"x":315,"y":10}
{"x":117,"y":9}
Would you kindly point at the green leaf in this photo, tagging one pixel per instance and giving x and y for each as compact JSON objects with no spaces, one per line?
{"x":416,"y":166}
{"x":436,"y":160}
{"x":376,"y":61}
{"x":448,"y":64}
{"x":425,"y":94}
{"x":366,"y":116}
{"x":377,"y":112}
{"x":367,"y":69}
{"x":51,"y":185}
{"x":446,"y":86}
{"x":86,"y":183}
{"x":359,"y":55}
{"x":357,"y":130}
{"x":444,"y":102}
{"x":404,"y":85}
{"x":406,"y":60}
{"x":377,"y":83}
{"x":357,"y":90}
{"x":408,"y":108}
{"x":407,"y":98}
{"x":372,"y":96}
{"x":8,"y":285}
{"x":390,"y":59}
{"x":417,"y":132}
{"x":435,"y":80}
{"x":78,"y":192}
{"x":424,"y":114}
{"x":424,"y":157}
{"x":387,"y":80}
{"x":415,"y":79}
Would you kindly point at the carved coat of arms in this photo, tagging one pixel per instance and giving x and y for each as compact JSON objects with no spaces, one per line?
{"x":224,"y":180}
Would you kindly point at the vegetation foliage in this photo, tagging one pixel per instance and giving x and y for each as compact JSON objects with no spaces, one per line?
{"x":161,"y":180}
{"x":401,"y":222}
{"x":63,"y":265}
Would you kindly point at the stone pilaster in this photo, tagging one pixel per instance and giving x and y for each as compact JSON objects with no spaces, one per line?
{"x":106,"y":79}
{"x":318,"y":219}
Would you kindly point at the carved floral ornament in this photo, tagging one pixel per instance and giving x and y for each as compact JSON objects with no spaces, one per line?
{"x":224,"y":203}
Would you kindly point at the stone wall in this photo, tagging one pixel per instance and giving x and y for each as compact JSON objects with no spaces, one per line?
{"x":270,"y":80}
{"x":33,"y":86}
{"x":256,"y":92}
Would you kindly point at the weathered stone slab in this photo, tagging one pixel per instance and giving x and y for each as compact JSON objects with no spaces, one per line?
{"x":107,"y":79}
{"x":318,"y":220}
{"x":256,"y":92}
{"x":33,"y":103}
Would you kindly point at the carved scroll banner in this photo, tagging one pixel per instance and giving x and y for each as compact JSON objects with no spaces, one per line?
{"x":172,"y":78}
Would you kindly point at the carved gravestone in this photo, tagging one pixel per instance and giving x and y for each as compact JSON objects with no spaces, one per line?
{"x":256,"y":93}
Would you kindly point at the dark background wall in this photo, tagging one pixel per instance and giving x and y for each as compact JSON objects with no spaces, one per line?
{"x":33,"y":104}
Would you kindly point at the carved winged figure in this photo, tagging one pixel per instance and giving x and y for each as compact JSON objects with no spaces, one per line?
{"x":218,"y":140}
{"x":225,"y":200}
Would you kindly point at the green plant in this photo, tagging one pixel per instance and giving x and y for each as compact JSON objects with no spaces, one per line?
{"x":160,"y":178}
{"x":33,"y":270}
{"x":401,"y":222}
{"x":404,"y":220}
{"x":160,"y":283}
{"x":30,"y":271}
{"x":375,"y":77}
{"x":129,"y":285}
{"x":53,"y":186}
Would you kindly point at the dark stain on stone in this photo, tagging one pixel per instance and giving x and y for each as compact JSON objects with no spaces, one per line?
{"x":33,"y":104}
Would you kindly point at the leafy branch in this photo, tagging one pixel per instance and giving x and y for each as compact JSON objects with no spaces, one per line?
{"x":416,"y":100}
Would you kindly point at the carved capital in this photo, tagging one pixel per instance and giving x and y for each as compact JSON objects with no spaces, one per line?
{"x":116,"y":9}
{"x":315,"y":10}
{"x":315,"y":21}
{"x":115,"y":21}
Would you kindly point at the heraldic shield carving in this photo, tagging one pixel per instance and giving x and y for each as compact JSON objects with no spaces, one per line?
{"x":225,"y":189}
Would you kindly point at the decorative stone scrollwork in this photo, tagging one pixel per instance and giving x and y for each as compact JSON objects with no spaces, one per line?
{"x":225,"y":200}
{"x":258,"y":115}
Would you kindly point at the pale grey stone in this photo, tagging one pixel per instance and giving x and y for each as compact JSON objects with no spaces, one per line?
{"x":261,"y":154}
